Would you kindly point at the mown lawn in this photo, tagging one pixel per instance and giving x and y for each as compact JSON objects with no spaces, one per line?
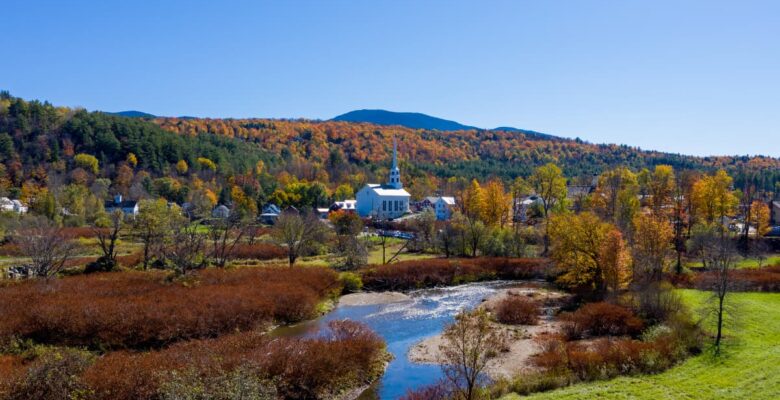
{"x":749,"y":368}
{"x":746,"y":262}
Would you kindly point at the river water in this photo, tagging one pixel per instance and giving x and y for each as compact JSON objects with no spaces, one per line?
{"x":402,"y":325}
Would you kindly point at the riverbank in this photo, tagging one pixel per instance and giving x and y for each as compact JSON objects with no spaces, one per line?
{"x":521,"y":346}
{"x":747,"y":369}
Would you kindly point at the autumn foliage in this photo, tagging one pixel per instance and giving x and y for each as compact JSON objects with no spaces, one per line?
{"x":518,"y":310}
{"x":748,"y":280}
{"x":600,"y":319}
{"x":346,"y":355}
{"x":605,"y":358}
{"x":258,"y":251}
{"x":444,"y":271}
{"x":140,"y":310}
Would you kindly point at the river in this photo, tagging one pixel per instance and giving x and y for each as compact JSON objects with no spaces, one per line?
{"x":403,"y":324}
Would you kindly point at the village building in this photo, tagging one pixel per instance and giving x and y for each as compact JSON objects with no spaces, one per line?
{"x":269,"y":214}
{"x":349,"y":206}
{"x":128,"y":207}
{"x":15,"y":206}
{"x":386,"y":201}
{"x":442,"y":206}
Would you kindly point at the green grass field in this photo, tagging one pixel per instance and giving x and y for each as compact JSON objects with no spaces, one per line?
{"x":746,"y":263}
{"x":748,"y":368}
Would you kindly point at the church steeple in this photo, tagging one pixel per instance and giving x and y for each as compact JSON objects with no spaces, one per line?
{"x":395,"y":172}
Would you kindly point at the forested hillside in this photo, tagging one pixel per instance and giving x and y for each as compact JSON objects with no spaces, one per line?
{"x":57,"y":158}
{"x":313,"y":147}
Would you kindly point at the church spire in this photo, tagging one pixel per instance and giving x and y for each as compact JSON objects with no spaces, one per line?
{"x":395,"y":154}
{"x":395,"y":172}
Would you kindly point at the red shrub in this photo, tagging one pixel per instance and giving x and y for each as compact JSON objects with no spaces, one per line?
{"x":600,"y":319}
{"x":10,"y":249}
{"x":443,"y":271}
{"x":553,"y":353}
{"x":748,"y":280}
{"x":431,"y":392}
{"x":258,"y":251}
{"x":517,"y":310}
{"x":605,"y":358}
{"x":141,"y":309}
{"x":301,"y":368}
{"x":131,"y":260}
{"x":80,"y":232}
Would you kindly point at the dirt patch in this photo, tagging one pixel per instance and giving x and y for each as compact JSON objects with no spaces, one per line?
{"x":371,"y":298}
{"x":522,"y":345}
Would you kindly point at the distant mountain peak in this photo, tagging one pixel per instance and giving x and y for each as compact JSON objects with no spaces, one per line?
{"x":408,"y":119}
{"x":133,"y":114}
{"x":423,"y":121}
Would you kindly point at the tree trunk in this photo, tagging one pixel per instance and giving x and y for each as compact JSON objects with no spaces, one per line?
{"x":720,"y":323}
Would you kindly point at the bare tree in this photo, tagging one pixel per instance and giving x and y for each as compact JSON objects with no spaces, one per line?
{"x":107,"y":238}
{"x":153,"y":225}
{"x":186,"y":249}
{"x":721,"y":257}
{"x":298,"y":233}
{"x":469,"y":343}
{"x":46,"y":245}
{"x":225,"y":234}
{"x":353,"y":250}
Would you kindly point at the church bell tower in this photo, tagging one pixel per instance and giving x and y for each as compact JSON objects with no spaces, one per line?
{"x":395,"y":173}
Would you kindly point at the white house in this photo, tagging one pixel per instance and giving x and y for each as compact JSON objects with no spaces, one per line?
{"x":346,"y":206}
{"x":384,"y":201}
{"x":443,"y":206}
{"x":8,"y":205}
{"x":129,"y":207}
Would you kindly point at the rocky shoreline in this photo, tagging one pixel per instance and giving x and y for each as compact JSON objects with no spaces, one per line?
{"x":521,"y":345}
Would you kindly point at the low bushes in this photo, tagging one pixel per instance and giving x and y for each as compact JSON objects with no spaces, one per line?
{"x":145,"y":309}
{"x":258,"y":251}
{"x":745,"y":280}
{"x":605,"y":358}
{"x":443,"y":271}
{"x":351,"y":282}
{"x":600,"y":319}
{"x":297,"y":368}
{"x":244,"y":365}
{"x":53,"y":375}
{"x":517,"y":310}
{"x":562,"y":362}
{"x":437,"y":391}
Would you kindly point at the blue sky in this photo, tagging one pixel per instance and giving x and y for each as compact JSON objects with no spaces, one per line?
{"x":695,"y":77}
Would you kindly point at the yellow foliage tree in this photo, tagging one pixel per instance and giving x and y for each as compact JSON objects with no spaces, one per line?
{"x":760,"y":216}
{"x":550,"y":185}
{"x":132,"y":160}
{"x":615,"y":197}
{"x":652,"y":248}
{"x":496,"y":211}
{"x":713,"y":198}
{"x":615,"y":260}
{"x":474,"y":201}
{"x":660,"y":187}
{"x":588,"y":251}
{"x":182,"y":167}
{"x":344,"y":192}
{"x":207,"y":164}
{"x":87,"y":161}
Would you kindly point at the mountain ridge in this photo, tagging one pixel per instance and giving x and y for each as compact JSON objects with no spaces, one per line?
{"x":416,"y":120}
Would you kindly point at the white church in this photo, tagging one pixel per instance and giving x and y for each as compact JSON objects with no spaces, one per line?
{"x":386,"y":201}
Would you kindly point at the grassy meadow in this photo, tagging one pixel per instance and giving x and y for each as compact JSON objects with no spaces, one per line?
{"x":748,"y":368}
